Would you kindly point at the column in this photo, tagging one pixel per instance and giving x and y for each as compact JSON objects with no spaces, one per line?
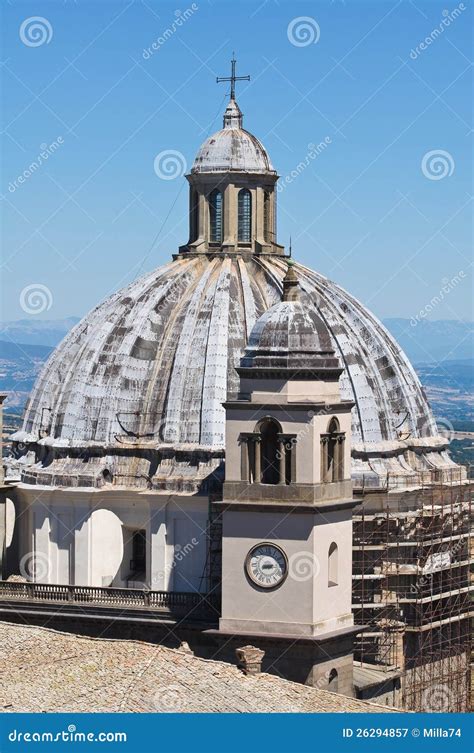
{"x":293,"y":478}
{"x":157,"y":574}
{"x":258,"y":233}
{"x":255,"y":219}
{"x":282,"y":460}
{"x":257,"y":443}
{"x":324,"y":458}
{"x":339,"y":458}
{"x":229,"y":235}
{"x":244,"y":458}
{"x":203,"y":231}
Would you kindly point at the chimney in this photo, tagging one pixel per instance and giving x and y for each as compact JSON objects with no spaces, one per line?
{"x":249,"y":659}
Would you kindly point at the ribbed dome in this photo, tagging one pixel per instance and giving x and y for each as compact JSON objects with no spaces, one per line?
{"x":232,"y":149}
{"x":152,"y":365}
{"x":290,"y":336}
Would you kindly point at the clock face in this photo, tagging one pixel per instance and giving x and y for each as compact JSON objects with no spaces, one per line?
{"x":267,"y":565}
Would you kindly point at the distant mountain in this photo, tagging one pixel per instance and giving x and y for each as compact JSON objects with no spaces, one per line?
{"x":433,"y":341}
{"x":23,"y":351}
{"x":36,"y":331}
{"x":457,"y":375}
{"x":20,"y":365}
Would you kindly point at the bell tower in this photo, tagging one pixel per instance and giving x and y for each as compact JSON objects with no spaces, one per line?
{"x":232,"y":189}
{"x":287,"y":520}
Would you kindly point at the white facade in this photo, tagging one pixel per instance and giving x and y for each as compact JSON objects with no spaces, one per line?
{"x":80,"y":537}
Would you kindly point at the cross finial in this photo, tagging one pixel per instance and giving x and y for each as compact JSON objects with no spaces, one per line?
{"x":232,"y":78}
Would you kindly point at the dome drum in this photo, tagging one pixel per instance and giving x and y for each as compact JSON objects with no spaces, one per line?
{"x":232,"y":214}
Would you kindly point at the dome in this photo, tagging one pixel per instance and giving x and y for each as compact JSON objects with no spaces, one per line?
{"x":290,"y":336}
{"x":232,"y":149}
{"x":150,"y":367}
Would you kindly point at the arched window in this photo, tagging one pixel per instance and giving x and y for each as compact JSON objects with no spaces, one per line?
{"x":333,"y":681}
{"x":267,"y":456}
{"x":332,"y":453}
{"x":270,"y":467}
{"x":333,"y":428}
{"x":244,"y":216}
{"x":215,"y":216}
{"x":332,"y":565}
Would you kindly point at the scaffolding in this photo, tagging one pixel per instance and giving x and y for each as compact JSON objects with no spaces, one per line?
{"x":412,"y":587}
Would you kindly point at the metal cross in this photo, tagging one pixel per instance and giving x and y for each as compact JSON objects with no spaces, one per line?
{"x":232,"y":78}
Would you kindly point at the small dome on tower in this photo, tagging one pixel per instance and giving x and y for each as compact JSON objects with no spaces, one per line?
{"x":291,"y":336}
{"x":232,"y":149}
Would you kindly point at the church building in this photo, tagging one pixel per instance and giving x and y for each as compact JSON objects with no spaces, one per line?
{"x":211,"y":427}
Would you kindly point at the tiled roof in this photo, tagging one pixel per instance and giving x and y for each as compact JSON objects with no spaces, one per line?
{"x":45,"y":670}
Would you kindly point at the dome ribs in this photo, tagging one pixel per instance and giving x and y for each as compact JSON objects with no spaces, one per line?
{"x":175,"y":410}
{"x":165,"y":322}
{"x":249,"y":307}
{"x":192,"y":395}
{"x":237,"y":328}
{"x":401,"y":382}
{"x":136,"y":353}
{"x":74,"y":409}
{"x":47,"y":389}
{"x":214,"y":388}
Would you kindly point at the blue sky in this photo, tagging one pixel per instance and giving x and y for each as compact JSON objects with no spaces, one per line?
{"x":375,"y":210}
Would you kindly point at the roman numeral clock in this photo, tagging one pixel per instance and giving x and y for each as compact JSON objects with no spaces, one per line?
{"x":266,"y":565}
